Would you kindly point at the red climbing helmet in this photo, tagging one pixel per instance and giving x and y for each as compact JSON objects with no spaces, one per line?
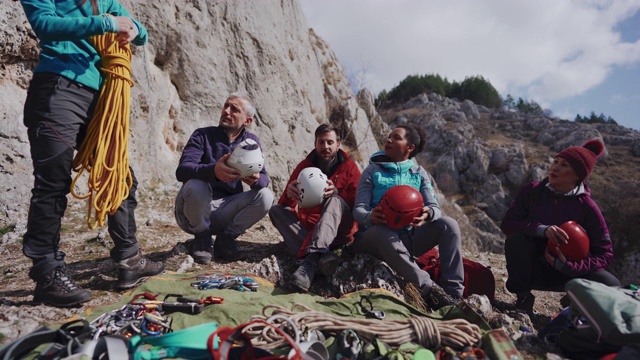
{"x":400,"y":204}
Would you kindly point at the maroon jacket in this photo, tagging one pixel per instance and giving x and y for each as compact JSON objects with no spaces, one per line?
{"x":537,"y":205}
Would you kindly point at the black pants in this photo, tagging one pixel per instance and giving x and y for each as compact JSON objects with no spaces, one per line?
{"x":56,"y":113}
{"x":528,"y":270}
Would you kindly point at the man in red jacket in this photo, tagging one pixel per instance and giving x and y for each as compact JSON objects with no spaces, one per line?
{"x":311,"y":233}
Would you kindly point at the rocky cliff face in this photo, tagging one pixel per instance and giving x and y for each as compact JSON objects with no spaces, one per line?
{"x":198,"y":53}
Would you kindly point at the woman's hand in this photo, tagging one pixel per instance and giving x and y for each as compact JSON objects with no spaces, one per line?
{"x":557,"y":235}
{"x":422,"y":218}
{"x":552,"y":259}
{"x":127,"y":30}
{"x":377,"y":216}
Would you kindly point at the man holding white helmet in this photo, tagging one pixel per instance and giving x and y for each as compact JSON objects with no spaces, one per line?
{"x":311,"y":229}
{"x":212,"y":200}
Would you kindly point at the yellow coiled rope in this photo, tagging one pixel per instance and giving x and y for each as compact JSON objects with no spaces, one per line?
{"x":104,"y":153}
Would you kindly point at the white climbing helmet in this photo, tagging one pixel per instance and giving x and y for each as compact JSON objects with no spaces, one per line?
{"x":313,"y":183}
{"x":246,"y":157}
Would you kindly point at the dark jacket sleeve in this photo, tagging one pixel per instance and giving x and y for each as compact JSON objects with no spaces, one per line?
{"x":190,"y":165}
{"x":516,"y":219}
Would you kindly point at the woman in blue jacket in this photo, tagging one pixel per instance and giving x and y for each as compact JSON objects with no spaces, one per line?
{"x":60,"y":103}
{"x":535,"y":217}
{"x":395,"y":166}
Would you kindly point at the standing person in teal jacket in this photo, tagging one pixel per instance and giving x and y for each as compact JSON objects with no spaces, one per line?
{"x":60,"y":103}
{"x":395,"y":166}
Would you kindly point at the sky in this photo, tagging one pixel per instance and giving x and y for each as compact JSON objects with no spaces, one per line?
{"x":569,"y":56}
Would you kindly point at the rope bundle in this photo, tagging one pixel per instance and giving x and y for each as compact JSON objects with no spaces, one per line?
{"x":456,"y":333}
{"x":104,"y":153}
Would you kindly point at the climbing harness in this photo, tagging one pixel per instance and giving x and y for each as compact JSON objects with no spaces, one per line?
{"x":104,"y":153}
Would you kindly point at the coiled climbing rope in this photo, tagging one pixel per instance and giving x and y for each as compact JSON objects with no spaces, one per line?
{"x":104,"y":153}
{"x":455,"y":333}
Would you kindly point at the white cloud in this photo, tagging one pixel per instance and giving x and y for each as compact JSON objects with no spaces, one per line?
{"x":543,"y":50}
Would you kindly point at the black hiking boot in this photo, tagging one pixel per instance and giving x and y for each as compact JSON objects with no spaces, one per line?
{"x":226,"y":248}
{"x":135,"y":269}
{"x":437,"y":298}
{"x":59,"y":290}
{"x":525,"y":303}
{"x":328,"y":263}
{"x":201,"y":248}
{"x":303,"y":276}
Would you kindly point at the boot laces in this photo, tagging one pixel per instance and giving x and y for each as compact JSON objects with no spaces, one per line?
{"x":65,"y":281}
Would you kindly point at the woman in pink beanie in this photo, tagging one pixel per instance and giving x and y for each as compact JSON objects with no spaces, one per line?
{"x":534,"y":218}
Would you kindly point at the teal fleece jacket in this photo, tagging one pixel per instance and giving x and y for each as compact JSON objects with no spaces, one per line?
{"x":382,"y":174}
{"x":64,"y":28}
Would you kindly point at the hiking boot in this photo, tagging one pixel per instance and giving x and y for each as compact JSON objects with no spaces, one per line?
{"x":525,"y":302}
{"x":437,"y":298}
{"x":59,"y":290}
{"x":201,"y":248}
{"x":226,"y":248}
{"x":328,"y":263}
{"x":135,"y":269}
{"x":565,"y":301}
{"x":303,"y":276}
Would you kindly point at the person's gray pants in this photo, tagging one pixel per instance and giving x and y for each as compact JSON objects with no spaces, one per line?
{"x":398,"y":250}
{"x":196,"y":212}
{"x":332,"y":229}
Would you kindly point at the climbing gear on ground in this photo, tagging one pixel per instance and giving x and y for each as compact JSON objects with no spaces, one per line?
{"x":368,"y":310}
{"x":136,"y":269}
{"x":58,"y":289}
{"x":219,"y":281}
{"x":63,"y":341}
{"x":104,"y":153}
{"x":428,"y":333}
{"x":349,"y":345}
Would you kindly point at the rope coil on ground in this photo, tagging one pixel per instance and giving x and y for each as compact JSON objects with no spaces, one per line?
{"x":104,"y":153}
{"x":456,"y":333}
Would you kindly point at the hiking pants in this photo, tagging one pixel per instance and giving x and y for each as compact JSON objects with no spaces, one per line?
{"x":398,"y":250}
{"x":56,"y":113}
{"x":528,"y":270}
{"x":197,"y":212}
{"x":332,"y":229}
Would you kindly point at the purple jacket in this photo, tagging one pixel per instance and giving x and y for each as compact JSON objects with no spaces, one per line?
{"x":537,"y":206}
{"x":201,"y":153}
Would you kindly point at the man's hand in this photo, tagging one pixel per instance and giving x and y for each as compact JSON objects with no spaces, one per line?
{"x":422,"y":218}
{"x":330,"y":189}
{"x":225,"y":173}
{"x":377,"y":216}
{"x":293,"y":193}
{"x":251,"y":179}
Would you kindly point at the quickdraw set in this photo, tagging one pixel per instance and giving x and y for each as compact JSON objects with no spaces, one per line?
{"x":219,"y":281}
